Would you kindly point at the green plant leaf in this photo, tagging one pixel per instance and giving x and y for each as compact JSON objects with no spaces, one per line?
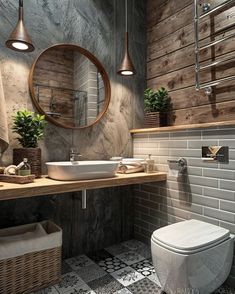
{"x":29,"y":126}
{"x":158,"y":101}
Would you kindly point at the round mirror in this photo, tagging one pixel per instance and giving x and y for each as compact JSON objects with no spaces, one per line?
{"x":69,"y":86}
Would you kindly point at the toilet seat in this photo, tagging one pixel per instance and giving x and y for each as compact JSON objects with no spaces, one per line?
{"x":190,"y":236}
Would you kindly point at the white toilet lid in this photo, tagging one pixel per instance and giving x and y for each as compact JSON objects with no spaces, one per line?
{"x":190,"y":235}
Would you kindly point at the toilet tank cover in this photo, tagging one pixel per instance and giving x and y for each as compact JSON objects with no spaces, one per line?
{"x":190,"y":234}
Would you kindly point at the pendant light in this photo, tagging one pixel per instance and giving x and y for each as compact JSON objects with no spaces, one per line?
{"x":127,"y":67}
{"x":19,"y":39}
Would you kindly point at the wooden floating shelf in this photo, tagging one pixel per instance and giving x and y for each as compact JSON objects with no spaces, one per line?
{"x":47,"y":186}
{"x":183,"y":127}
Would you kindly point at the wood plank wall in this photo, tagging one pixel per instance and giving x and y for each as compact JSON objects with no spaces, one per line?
{"x":170,"y":60}
{"x":55,"y":69}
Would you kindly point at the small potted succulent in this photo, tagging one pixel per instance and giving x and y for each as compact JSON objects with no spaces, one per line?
{"x":156,"y":105}
{"x":30,"y":127}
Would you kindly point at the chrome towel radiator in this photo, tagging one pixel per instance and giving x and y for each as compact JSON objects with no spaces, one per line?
{"x":207,"y":10}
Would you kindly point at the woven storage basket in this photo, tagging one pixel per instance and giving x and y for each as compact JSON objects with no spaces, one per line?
{"x":35,"y":270}
{"x":34,"y":159}
{"x":156,"y":119}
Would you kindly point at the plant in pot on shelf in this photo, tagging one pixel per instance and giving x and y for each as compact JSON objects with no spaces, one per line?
{"x":30,"y":127}
{"x":156,"y":105}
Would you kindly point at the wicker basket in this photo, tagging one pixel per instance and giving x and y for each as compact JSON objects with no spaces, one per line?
{"x":156,"y":119}
{"x":32,"y":271}
{"x":34,"y":159}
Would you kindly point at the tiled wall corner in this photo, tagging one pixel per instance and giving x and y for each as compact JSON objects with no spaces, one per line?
{"x":206,"y":192}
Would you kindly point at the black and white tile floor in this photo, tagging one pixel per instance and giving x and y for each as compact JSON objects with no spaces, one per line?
{"x":121,"y":269}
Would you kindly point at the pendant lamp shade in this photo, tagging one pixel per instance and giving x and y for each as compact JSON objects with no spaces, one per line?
{"x":127,"y":68}
{"x":19,"y":39}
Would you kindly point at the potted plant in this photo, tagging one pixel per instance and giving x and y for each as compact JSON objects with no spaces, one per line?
{"x":30,"y":127}
{"x":157,"y":105}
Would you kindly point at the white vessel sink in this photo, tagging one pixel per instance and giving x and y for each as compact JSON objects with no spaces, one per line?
{"x":81,"y":170}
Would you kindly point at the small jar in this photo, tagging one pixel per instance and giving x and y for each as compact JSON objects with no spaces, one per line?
{"x":149,"y":166}
{"x":25,"y":169}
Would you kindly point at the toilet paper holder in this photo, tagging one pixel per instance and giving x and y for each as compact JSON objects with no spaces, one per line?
{"x":181,"y":164}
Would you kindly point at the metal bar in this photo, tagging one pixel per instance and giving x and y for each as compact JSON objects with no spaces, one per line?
{"x":196,"y":31}
{"x":173,"y":160}
{"x":38,"y":96}
{"x":59,"y":88}
{"x":218,"y":7}
{"x":83,"y":199}
{"x":53,"y":114}
{"x":224,"y":30}
{"x":216,"y":42}
{"x":219,"y":32}
{"x":216,"y":82}
{"x":215,"y":63}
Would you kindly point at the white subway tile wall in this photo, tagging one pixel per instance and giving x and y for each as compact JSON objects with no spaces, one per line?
{"x":206,"y":192}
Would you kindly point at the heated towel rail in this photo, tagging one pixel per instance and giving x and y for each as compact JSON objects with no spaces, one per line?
{"x":207,"y":10}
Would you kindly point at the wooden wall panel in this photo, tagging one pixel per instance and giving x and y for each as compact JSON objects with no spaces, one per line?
{"x":188,"y":97}
{"x":202,"y":114}
{"x":162,"y":9}
{"x":171,"y":60}
{"x":185,"y":36}
{"x":185,"y":57}
{"x":171,"y":24}
{"x":55,"y":69}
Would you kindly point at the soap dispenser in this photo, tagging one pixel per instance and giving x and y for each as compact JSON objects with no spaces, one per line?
{"x":149,"y":165}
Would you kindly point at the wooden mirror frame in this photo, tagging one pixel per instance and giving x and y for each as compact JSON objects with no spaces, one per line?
{"x":101,"y":70}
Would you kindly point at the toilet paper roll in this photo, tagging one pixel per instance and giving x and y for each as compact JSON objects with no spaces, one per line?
{"x":173,"y":169}
{"x":173,"y":173}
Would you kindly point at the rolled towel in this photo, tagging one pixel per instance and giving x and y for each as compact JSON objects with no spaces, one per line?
{"x":130,"y":168}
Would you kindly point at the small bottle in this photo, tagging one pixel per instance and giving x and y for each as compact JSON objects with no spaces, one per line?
{"x":149,"y":167}
{"x":25,"y":169}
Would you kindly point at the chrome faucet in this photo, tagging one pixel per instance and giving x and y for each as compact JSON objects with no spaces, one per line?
{"x":75,"y":156}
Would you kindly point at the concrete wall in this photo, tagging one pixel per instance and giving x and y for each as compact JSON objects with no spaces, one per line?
{"x":206,"y":192}
{"x":98,"y":26}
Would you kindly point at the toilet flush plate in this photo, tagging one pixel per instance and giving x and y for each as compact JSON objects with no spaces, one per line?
{"x":215,"y":153}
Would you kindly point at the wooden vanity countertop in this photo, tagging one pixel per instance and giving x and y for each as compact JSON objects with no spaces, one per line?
{"x":47,"y":186}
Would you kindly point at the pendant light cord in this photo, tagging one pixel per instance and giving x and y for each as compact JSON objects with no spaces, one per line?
{"x":21,"y":13}
{"x":126,"y":8}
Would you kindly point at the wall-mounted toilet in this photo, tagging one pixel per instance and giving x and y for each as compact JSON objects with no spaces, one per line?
{"x":192,"y":257}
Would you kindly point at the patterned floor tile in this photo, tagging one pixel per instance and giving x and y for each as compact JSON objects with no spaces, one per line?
{"x":224,"y":290}
{"x":133,"y":244}
{"x":91,"y":272}
{"x":105,"y":285}
{"x":65,"y":268}
{"x":50,"y":290}
{"x":130,"y":257}
{"x":69,"y":282}
{"x":144,"y":286}
{"x":121,"y":269}
{"x":78,"y":262}
{"x":145,"y":251}
{"x":127,"y":276}
{"x":99,"y":255}
{"x":117,"y":249}
{"x":153,"y":277}
{"x":139,"y":247}
{"x":83,"y":289}
{"x":144,"y":267}
{"x":123,"y":291}
{"x":111,"y":264}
